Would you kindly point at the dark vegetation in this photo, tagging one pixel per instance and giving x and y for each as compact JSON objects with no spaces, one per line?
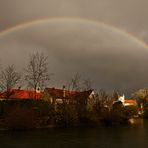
{"x":27,"y":114}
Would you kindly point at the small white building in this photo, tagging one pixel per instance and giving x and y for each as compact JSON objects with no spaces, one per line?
{"x":127,"y":102}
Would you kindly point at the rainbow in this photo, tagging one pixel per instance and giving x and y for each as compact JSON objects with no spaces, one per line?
{"x":93,"y":22}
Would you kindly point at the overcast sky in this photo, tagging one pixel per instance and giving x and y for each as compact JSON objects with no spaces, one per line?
{"x":110,"y":59}
{"x":130,"y":15}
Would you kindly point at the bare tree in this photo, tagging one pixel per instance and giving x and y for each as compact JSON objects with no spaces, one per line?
{"x":87,"y":84}
{"x":75,"y":82}
{"x":79,"y":84}
{"x":37,"y":74}
{"x":102,"y":97}
{"x":115,"y":95}
{"x":9,"y":78}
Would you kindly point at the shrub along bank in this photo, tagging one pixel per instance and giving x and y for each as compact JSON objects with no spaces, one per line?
{"x":29,"y":113}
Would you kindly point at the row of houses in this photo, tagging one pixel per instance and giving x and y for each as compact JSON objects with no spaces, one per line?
{"x":54,"y":95}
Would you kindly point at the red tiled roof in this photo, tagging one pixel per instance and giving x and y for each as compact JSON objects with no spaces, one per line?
{"x":60,"y":93}
{"x":23,"y":94}
{"x":1,"y":95}
{"x":56,"y":93}
{"x":130,"y":101}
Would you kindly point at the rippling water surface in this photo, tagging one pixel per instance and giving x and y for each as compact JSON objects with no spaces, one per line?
{"x":101,"y":137}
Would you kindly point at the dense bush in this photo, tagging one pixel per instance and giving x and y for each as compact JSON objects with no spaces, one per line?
{"x":20,"y":118}
{"x":21,"y":114}
{"x":26,"y":114}
{"x":145,"y":113}
{"x":40,"y":106}
{"x":120,"y":114}
{"x":131,"y":111}
{"x":65,"y":115}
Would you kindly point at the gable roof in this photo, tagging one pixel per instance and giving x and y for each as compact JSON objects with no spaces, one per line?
{"x":130,"y":101}
{"x":22,"y":94}
{"x":68,"y":94}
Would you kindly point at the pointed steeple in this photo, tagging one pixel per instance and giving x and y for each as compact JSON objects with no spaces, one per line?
{"x":122,"y":98}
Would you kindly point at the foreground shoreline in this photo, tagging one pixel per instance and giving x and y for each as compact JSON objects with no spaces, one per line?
{"x":131,"y":122}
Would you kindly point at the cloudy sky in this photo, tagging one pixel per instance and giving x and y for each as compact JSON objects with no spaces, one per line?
{"x":106,"y":54}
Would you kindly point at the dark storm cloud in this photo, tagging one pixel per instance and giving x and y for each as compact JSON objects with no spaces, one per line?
{"x":109,"y":58}
{"x":128,"y":14}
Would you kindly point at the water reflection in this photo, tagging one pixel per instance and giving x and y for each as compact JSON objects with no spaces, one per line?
{"x":102,"y":137}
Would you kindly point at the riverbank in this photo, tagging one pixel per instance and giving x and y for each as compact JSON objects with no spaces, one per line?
{"x":130,"y":122}
{"x":34,"y":114}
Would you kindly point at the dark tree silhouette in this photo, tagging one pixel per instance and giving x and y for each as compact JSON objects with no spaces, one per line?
{"x":75,"y":82}
{"x":9,"y":78}
{"x":87,"y":84}
{"x":79,"y":84}
{"x":36,"y":73}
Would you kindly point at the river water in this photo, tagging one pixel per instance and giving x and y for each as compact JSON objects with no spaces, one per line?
{"x":135,"y":136}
